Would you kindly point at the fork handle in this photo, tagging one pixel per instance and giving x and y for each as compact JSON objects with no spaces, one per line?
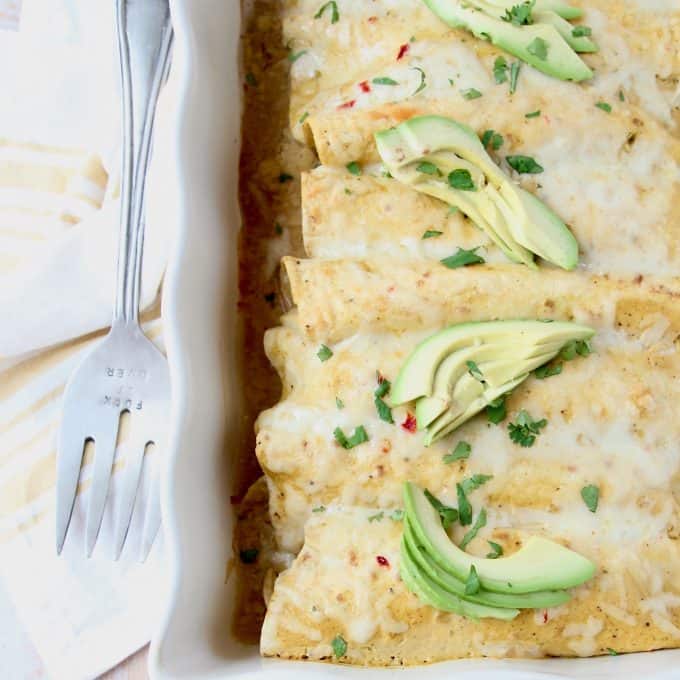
{"x":144,"y":42}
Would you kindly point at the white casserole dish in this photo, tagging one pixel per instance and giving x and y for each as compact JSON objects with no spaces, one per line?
{"x":194,"y":640}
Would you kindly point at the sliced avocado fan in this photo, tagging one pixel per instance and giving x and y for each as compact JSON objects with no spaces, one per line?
{"x":436,"y":569}
{"x":547,"y":42}
{"x":457,"y":372}
{"x":518,"y":222}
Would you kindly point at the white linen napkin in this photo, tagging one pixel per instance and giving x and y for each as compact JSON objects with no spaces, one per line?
{"x":59,"y":151}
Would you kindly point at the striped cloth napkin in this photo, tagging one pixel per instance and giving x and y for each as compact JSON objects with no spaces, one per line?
{"x":60,"y":617}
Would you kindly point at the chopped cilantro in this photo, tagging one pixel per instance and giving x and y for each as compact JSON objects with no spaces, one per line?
{"x":358,"y":437}
{"x":496,"y":550}
{"x":500,"y":70}
{"x":285,"y":177}
{"x":581,"y":31}
{"x":335,"y":16}
{"x":397,"y":515}
{"x":525,"y":429}
{"x":622,"y":97}
{"x":514,"y":76}
{"x":491,"y":137}
{"x":354,"y":168}
{"x":539,"y":48}
{"x":533,"y":114}
{"x":604,"y":106}
{"x":428,"y":168}
{"x":423,"y":81}
{"x":384,"y":385}
{"x":520,"y":15}
{"x":432,"y":233}
{"x":479,"y":523}
{"x":460,"y":178}
{"x":464,"y":507}
{"x":324,"y":353}
{"x":547,"y":371}
{"x":474,"y":482}
{"x":591,"y":496}
{"x":294,"y":56}
{"x":461,"y":452}
{"x":612,"y":652}
{"x":251,"y":80}
{"x":524,"y":164}
{"x":338,"y":644}
{"x":377,"y":517}
{"x":474,"y":371}
{"x":249,"y":556}
{"x":339,"y":403}
{"x":383,"y":80}
{"x":471,"y":93}
{"x":319,"y":508}
{"x":463,"y":258}
{"x":472,"y":584}
{"x":303,"y":117}
{"x":496,"y":411}
{"x":348,"y":191}
{"x":384,"y":411}
{"x":278,"y":229}
{"x":448,"y":515}
{"x":575,"y":348}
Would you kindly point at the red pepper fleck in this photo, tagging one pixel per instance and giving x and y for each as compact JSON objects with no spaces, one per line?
{"x":410,"y":423}
{"x":391,"y":289}
{"x":372,"y":20}
{"x":382,"y":561}
{"x":365,"y":87}
{"x":545,"y":616}
{"x":348,"y":105}
{"x":402,"y":51}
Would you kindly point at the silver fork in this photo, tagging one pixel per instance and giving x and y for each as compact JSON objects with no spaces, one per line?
{"x":125,"y":373}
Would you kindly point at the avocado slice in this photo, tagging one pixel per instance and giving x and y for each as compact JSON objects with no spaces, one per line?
{"x":560,"y":8}
{"x":417,"y":375}
{"x":420,"y":558}
{"x":565,"y":29}
{"x":433,"y":594}
{"x":497,"y":205}
{"x":560,"y":61}
{"x":539,"y":565}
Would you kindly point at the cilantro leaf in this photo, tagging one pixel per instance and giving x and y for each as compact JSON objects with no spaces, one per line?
{"x":539,"y":48}
{"x":472,"y":583}
{"x":338,"y":644}
{"x":335,"y":15}
{"x":591,"y":496}
{"x":397,"y":515}
{"x":525,"y":430}
{"x":294,"y":56}
{"x":324,"y":353}
{"x":474,"y":482}
{"x":524,"y":164}
{"x":491,"y":137}
{"x":612,"y":652}
{"x":464,"y":507}
{"x":520,"y":15}
{"x":533,"y":114}
{"x":500,"y":70}
{"x":354,"y":168}
{"x":384,"y":411}
{"x":547,"y":371}
{"x":448,"y":515}
{"x":463,"y":258}
{"x":428,"y":168}
{"x":432,"y":233}
{"x":581,"y":31}
{"x":461,"y":452}
{"x":479,"y":523}
{"x":604,"y":106}
{"x":496,"y":550}
{"x":384,"y":385}
{"x":251,"y":79}
{"x":423,"y":80}
{"x":471,"y":93}
{"x":358,"y":437}
{"x":383,"y":80}
{"x":514,"y":76}
{"x":496,"y":411}
{"x":339,"y":403}
{"x":460,"y":178}
{"x":377,"y":517}
{"x":474,"y":371}
{"x":575,"y":348}
{"x":319,"y":508}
